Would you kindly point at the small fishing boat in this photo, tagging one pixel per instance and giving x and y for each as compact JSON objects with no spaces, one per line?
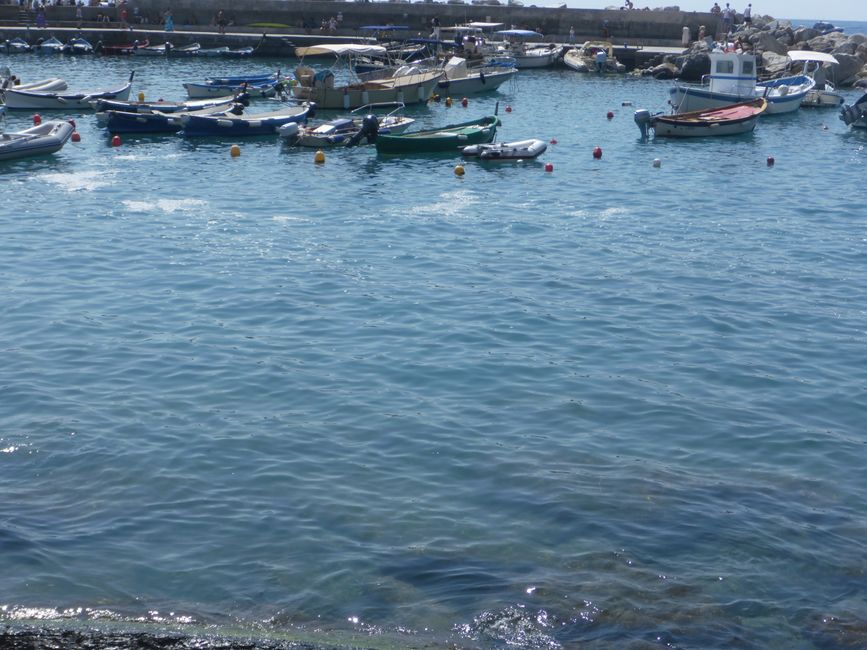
{"x":460,"y":80}
{"x":253,"y":78}
{"x":157,"y":121}
{"x":727,"y":120}
{"x":447,"y":138}
{"x":239,"y":52}
{"x":49,"y":46}
{"x":529,"y":55}
{"x":733,"y":80}
{"x":163,"y":106}
{"x":348,"y":131}
{"x":269,"y":88}
{"x":16,"y":46}
{"x":186,"y":50}
{"x":43,"y":100}
{"x":78,"y":45}
{"x":214,"y":51}
{"x":856,"y":114}
{"x":124,"y":49}
{"x":518,"y":150}
{"x":152,"y":50}
{"x":242,"y":125}
{"x":409,"y":84}
{"x":8,"y":80}
{"x":44,"y":138}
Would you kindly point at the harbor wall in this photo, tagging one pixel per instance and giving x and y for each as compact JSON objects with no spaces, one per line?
{"x":635,"y":27}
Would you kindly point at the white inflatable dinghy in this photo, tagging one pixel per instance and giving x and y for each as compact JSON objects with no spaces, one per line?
{"x":520,"y":150}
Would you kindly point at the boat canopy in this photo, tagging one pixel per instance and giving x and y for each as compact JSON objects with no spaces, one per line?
{"x":485,"y":25}
{"x":519,"y":33}
{"x":383,"y":28}
{"x":341,"y":49}
{"x":809,"y":55}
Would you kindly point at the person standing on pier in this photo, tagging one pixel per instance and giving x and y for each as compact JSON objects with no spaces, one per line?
{"x":748,"y":14}
{"x":435,"y":28}
{"x":169,"y":21}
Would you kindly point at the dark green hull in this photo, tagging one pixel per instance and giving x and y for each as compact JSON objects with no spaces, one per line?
{"x":447,"y":138}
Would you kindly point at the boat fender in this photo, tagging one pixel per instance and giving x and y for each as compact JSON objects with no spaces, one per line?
{"x":784,"y":90}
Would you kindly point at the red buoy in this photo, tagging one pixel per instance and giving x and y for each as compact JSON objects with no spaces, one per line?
{"x":549,"y":167}
{"x":508,"y":109}
{"x":115,"y":141}
{"x":610,"y":115}
{"x":464,"y":102}
{"x":770,"y":161}
{"x":553,"y":140}
{"x":597,"y":152}
{"x":76,"y":137}
{"x":37,"y":119}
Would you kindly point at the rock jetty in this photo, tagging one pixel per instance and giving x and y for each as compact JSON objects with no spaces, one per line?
{"x":770,"y":40}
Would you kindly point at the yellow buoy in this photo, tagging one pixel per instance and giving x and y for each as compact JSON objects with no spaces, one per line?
{"x":141,"y":95}
{"x":448,"y":101}
{"x":459,"y":170}
{"x":319,"y":157}
{"x":235,"y":151}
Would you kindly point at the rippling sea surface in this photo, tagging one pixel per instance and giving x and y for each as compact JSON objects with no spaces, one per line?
{"x":369,"y":403}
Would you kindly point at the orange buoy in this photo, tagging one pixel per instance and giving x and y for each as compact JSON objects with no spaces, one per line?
{"x":610,"y":115}
{"x":549,"y":167}
{"x":76,"y":137}
{"x":459,"y":170}
{"x":37,"y":119}
{"x":597,"y":152}
{"x":115,"y":141}
{"x":234,"y":151}
{"x":319,"y":157}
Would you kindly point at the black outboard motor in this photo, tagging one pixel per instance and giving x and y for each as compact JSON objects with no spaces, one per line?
{"x":369,"y":129}
{"x":237,"y":108}
{"x":242,"y":98}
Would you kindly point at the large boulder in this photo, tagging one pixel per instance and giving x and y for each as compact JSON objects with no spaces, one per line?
{"x":845,"y":48}
{"x":858,"y":39}
{"x":765,"y":42}
{"x":664,"y":71}
{"x":805,"y":34}
{"x":774,"y":64}
{"x":847,"y":69}
{"x":694,"y":66}
{"x":826,"y":42}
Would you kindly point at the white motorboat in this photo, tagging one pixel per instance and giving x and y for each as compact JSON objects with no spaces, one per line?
{"x":58,"y":100}
{"x":409,"y":84}
{"x":16,"y":46}
{"x":529,"y":55}
{"x":44,"y":138}
{"x":518,"y":150}
{"x":460,"y":80}
{"x":822,"y":95}
{"x":49,"y":46}
{"x":78,"y":45}
{"x":586,"y":58}
{"x":733,"y":80}
{"x":8,"y":80}
{"x":348,"y":131}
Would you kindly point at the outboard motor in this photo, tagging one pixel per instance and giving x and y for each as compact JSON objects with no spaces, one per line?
{"x":642,"y":118}
{"x":237,"y":109}
{"x":851,"y":114}
{"x":369,"y":129}
{"x":242,"y":98}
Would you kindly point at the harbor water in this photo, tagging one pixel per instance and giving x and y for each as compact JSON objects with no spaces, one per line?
{"x":255,"y":401}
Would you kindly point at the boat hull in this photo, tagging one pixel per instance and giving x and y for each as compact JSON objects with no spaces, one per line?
{"x":520,"y":150}
{"x":448,"y":138}
{"x":46,"y":101}
{"x":474,"y":83}
{"x":416,"y":88}
{"x":235,"y":126}
{"x":43,"y":139}
{"x":688,"y":99}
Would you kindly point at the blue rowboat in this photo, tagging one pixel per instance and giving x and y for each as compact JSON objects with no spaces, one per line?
{"x":242,"y":125}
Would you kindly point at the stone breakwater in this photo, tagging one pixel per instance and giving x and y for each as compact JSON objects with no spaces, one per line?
{"x":770,"y":40}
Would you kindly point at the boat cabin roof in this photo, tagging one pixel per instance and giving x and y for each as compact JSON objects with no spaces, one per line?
{"x":519,"y":33}
{"x":809,"y":55}
{"x":341,"y":49}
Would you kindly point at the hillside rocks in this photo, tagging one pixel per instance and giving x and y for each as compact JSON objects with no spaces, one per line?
{"x":770,"y":40}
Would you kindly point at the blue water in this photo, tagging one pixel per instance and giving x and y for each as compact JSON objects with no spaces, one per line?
{"x":370,"y":403}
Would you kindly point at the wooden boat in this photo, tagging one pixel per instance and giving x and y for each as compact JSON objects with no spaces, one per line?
{"x":157,"y":121}
{"x":583,"y":58}
{"x":447,"y":138}
{"x":733,"y":80}
{"x":78,"y":45}
{"x":163,"y":106}
{"x":518,"y":150}
{"x":45,"y":138}
{"x":16,"y":46}
{"x":348,"y":131}
{"x":856,"y":114}
{"x":42,"y":100}
{"x":242,"y":125}
{"x":255,"y":89}
{"x":728,"y":120}
{"x":460,"y":80}
{"x":49,"y":46}
{"x":409,"y":85}
{"x":125,"y":49}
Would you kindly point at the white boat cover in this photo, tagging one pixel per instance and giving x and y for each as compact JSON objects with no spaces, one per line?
{"x":808,"y":55}
{"x":341,"y":49}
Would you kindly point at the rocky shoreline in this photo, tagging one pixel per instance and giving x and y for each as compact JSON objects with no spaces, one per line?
{"x":770,"y":40}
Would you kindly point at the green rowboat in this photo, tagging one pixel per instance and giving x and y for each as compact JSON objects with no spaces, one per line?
{"x":448,"y":138}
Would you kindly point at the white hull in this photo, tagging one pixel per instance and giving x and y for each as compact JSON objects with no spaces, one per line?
{"x":30,"y":100}
{"x":473,"y":83}
{"x":54,"y":84}
{"x":46,"y":138}
{"x":822,"y":99}
{"x":535,"y":60}
{"x":665,"y":129}
{"x":520,"y":150}
{"x":686,"y":99}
